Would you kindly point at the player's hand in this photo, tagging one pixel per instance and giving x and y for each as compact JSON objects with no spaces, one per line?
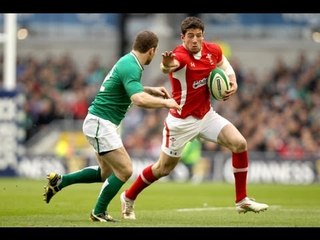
{"x":168,"y":59}
{"x":160,"y":92}
{"x":171,"y":103}
{"x":231,"y":91}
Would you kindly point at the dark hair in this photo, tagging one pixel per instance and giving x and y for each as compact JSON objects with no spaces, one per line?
{"x":144,"y":41}
{"x":191,"y":23}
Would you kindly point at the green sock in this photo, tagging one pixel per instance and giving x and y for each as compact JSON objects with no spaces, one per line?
{"x":90,"y":174}
{"x":109,"y":189}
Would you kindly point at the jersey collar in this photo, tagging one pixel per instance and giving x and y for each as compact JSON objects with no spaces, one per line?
{"x":137,"y":60}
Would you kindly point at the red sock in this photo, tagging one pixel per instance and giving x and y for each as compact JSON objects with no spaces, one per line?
{"x":240,"y":170}
{"x":142,"y":181}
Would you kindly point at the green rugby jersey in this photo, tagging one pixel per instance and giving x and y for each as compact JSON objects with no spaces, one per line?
{"x":113,"y":99}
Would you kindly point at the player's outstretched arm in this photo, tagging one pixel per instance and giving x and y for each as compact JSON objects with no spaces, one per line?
{"x":146,"y":100}
{"x":157,"y":91}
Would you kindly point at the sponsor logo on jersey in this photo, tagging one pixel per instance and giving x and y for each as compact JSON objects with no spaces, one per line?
{"x":199,"y":83}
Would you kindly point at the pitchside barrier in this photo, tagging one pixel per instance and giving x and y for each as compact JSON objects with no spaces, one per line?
{"x":214,"y":166}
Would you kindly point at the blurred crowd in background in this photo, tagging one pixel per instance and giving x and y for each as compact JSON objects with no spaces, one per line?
{"x":278,"y":112}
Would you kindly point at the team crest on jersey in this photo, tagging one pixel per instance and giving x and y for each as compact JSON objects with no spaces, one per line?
{"x":209,"y":57}
{"x":192,"y":64}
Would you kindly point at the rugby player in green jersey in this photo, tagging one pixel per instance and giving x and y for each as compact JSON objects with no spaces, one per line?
{"x":121,"y":87}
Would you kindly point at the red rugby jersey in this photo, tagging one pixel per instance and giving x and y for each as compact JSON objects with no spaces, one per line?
{"x":189,"y":81}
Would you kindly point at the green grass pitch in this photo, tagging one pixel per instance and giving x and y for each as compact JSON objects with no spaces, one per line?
{"x":164,"y":204}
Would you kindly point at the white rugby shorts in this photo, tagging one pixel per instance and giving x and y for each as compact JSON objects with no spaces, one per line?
{"x":177,"y":131}
{"x":102,"y":134}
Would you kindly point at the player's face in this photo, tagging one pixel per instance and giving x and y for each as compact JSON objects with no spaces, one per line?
{"x":192,"y":40}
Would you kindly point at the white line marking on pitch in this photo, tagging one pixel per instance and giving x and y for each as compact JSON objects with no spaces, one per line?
{"x":232,"y":208}
{"x":214,"y":208}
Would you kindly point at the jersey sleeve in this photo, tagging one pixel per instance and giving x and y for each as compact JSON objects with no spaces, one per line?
{"x":180,"y":56}
{"x":218,"y":50}
{"x":133,"y":87}
{"x":131,"y":78}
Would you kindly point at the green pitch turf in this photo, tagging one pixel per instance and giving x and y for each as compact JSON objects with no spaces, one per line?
{"x":165,"y":204}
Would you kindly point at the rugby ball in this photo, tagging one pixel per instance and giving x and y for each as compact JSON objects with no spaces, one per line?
{"x":218,"y":82}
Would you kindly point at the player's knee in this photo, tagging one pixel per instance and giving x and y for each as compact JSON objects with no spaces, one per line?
{"x":126,"y":173}
{"x":240,"y":145}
